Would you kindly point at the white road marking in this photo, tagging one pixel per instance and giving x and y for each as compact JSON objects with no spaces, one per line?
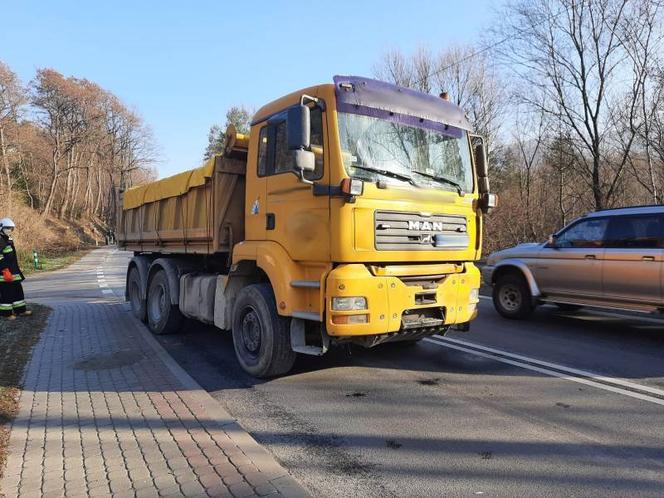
{"x":101,"y":282}
{"x":581,"y":379}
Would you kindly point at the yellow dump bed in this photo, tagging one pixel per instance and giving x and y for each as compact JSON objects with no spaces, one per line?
{"x":172,"y":186}
{"x":200,"y":211}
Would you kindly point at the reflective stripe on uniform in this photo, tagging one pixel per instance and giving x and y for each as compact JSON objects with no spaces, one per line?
{"x":5,"y":307}
{"x":17,"y":278}
{"x":18,"y":304}
{"x":7,"y":250}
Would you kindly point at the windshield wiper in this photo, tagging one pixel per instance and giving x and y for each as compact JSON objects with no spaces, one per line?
{"x":442,"y":179}
{"x":385,"y":172}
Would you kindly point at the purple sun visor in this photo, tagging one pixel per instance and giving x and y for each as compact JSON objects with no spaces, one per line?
{"x":382,"y":100}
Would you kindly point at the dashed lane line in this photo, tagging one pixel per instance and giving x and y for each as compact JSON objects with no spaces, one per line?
{"x":101,"y":282}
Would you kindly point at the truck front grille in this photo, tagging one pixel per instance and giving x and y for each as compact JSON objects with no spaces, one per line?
{"x":403,"y":231}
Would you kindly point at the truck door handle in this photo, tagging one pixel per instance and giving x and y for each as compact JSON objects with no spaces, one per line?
{"x":648,"y":258}
{"x":270,"y":221}
{"x":590,"y":256}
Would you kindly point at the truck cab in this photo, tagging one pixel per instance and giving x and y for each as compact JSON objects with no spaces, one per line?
{"x":363,"y":208}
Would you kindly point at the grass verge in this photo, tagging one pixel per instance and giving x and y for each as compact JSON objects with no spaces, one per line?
{"x":16,"y":341}
{"x":51,"y":262}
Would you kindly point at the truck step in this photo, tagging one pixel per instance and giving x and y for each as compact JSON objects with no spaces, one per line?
{"x":309,"y":284}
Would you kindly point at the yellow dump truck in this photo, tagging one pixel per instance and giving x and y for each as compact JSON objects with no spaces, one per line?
{"x":352,"y":212}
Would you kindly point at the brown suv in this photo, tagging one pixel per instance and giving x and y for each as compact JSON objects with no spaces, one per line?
{"x":609,"y":259}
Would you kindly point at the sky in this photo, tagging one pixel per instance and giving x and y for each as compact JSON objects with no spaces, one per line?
{"x":181,"y":65}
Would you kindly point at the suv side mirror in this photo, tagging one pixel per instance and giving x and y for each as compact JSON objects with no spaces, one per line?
{"x":551,"y":241}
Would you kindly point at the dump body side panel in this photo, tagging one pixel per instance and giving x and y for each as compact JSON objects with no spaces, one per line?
{"x":199,"y":212}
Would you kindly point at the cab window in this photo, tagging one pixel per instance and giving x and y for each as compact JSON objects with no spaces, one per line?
{"x":274,"y":158}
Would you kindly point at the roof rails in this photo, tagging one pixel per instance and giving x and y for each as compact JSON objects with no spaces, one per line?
{"x":629,"y":207}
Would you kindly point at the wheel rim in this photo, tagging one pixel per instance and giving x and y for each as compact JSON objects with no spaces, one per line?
{"x":157,"y":304}
{"x":251,"y":330}
{"x":510,"y":297}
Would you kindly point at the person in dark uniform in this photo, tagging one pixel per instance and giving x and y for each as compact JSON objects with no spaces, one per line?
{"x":12,"y":300}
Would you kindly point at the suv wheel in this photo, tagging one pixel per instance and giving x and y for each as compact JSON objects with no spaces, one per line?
{"x":511,"y":296}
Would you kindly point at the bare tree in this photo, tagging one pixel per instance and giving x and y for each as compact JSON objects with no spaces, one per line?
{"x":12,"y":99}
{"x":469,"y":80}
{"x":572,"y":55}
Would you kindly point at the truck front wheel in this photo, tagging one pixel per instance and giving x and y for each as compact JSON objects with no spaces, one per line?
{"x":260,"y":336}
{"x":163,"y":317}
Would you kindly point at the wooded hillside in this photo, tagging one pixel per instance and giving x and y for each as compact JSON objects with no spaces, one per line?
{"x":65,"y":144}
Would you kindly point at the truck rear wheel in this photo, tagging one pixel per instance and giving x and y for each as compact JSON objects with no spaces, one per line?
{"x":134,"y":294}
{"x":163,"y":317}
{"x":260,"y":336}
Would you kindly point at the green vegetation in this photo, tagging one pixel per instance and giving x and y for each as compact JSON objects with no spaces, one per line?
{"x":49,"y":262}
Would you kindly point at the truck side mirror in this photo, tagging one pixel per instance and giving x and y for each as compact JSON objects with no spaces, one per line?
{"x":304,"y":160}
{"x":299,"y":127}
{"x":487,"y":200}
{"x":299,"y":140}
{"x":481,"y":163}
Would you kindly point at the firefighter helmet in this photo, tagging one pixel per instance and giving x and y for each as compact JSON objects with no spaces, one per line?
{"x":7,"y":225}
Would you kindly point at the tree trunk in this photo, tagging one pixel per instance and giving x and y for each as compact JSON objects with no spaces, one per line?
{"x":5,"y":164}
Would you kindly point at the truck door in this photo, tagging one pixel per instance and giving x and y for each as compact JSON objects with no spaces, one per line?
{"x":296,"y":218}
{"x":256,"y":184}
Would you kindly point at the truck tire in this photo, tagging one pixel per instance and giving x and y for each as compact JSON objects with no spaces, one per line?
{"x":163,"y":317}
{"x":511,"y":296}
{"x":134,"y":286}
{"x":260,"y":336}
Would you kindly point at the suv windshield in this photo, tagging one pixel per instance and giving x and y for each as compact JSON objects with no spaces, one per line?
{"x":373,"y":148}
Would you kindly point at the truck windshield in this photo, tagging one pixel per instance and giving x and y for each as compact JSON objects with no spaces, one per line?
{"x":373,"y":148}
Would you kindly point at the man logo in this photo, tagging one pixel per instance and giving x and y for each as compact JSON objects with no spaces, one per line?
{"x":426,"y":238}
{"x":436,"y":226}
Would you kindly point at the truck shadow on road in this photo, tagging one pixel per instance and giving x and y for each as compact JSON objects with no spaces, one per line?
{"x":208,"y":355}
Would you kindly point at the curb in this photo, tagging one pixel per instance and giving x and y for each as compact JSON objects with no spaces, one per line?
{"x":285,"y":483}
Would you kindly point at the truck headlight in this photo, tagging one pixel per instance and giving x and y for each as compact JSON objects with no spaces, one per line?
{"x":349,"y":303}
{"x":474,"y":295}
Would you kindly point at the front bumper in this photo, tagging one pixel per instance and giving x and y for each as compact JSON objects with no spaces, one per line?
{"x":389,"y":299}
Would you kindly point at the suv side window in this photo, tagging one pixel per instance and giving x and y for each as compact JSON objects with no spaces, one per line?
{"x":588,"y":233}
{"x":274,"y":157}
{"x":635,"y":232}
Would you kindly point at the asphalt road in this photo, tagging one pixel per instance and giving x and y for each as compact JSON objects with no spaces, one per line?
{"x":564,"y":404}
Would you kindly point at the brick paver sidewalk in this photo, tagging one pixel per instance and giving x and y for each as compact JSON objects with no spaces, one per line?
{"x":105,"y":411}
